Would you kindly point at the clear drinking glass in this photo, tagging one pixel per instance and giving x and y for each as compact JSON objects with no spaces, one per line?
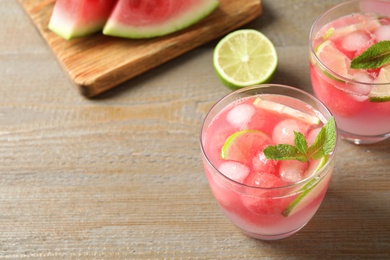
{"x":263,"y":210}
{"x":358,"y":98}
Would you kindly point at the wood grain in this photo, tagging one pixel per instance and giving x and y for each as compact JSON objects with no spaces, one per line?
{"x":120,"y":176}
{"x":98,"y":63}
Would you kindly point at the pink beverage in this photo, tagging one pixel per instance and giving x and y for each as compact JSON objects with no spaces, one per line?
{"x":267,"y":199}
{"x":359,"y":99}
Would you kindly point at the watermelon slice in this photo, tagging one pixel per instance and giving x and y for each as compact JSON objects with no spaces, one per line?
{"x":76,"y":18}
{"x":152,"y":18}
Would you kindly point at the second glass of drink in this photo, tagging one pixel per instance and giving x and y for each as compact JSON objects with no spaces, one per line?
{"x":352,"y":83}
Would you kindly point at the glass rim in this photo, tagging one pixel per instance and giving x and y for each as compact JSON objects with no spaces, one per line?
{"x":260,"y":86}
{"x":312,"y":50}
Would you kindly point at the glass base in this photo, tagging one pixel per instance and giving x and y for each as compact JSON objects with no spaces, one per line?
{"x":272,"y":237}
{"x":362,"y":139}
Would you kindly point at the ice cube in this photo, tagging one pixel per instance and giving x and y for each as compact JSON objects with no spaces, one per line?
{"x":364,"y":77}
{"x":360,"y":91}
{"x":240,"y":115}
{"x":216,"y":140}
{"x":292,"y":170}
{"x":265,"y":180}
{"x":311,"y":137}
{"x":234,"y":170}
{"x":284,"y":131}
{"x":356,"y":41}
{"x":383,"y":33}
{"x":262,"y":164}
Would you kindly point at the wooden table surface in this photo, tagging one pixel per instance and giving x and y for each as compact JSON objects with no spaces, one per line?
{"x":120,"y":176}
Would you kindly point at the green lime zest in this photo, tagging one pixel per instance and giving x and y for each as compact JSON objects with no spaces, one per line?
{"x":374,"y":57}
{"x":329,"y":33}
{"x":323,"y":145}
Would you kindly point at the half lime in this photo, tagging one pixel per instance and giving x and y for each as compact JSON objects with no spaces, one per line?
{"x":243,"y":58}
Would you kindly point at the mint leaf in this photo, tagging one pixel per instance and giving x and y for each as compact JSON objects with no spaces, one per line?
{"x":374,"y":57}
{"x":330,"y":136}
{"x":325,"y":141}
{"x":300,"y":142}
{"x":284,"y":152}
{"x":322,"y":146}
{"x":316,"y":150}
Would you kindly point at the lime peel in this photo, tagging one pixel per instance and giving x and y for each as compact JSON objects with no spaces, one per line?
{"x":307,"y":194}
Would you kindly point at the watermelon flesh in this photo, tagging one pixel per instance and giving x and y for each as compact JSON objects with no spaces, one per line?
{"x":152,"y":18}
{"x":76,"y":18}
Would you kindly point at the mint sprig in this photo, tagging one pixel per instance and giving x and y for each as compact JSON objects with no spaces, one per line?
{"x":374,"y":57}
{"x":323,"y":145}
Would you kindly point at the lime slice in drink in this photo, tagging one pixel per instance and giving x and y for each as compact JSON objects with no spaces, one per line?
{"x":333,"y":59}
{"x":243,"y":145}
{"x":283,"y":109}
{"x":308,"y":191}
{"x":356,"y":24}
{"x":329,"y":33}
{"x":381,"y":93}
{"x":243,"y":58}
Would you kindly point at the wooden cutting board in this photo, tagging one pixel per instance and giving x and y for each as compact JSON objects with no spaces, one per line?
{"x":97,"y":63}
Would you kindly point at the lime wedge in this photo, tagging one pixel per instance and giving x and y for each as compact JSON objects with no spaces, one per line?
{"x":308,"y":193}
{"x":381,"y":93}
{"x":243,"y":145}
{"x":243,"y":58}
{"x":283,"y":109}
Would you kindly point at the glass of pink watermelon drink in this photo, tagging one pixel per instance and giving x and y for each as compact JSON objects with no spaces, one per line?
{"x":268,"y":198}
{"x":350,"y":67}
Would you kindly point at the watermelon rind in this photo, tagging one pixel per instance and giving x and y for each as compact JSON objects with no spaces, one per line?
{"x":76,"y":18}
{"x":68,"y":31}
{"x":180,"y":21}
